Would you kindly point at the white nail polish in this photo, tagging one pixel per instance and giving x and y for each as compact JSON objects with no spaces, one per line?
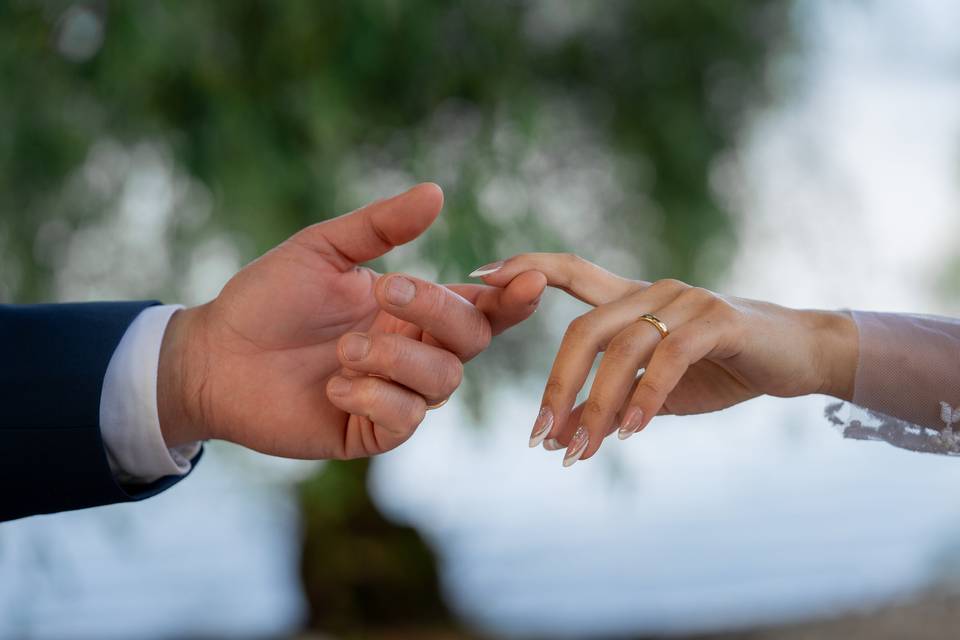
{"x":552,"y":444}
{"x":631,"y":423}
{"x":541,"y":428}
{"x":578,"y":444}
{"x":486,"y":269}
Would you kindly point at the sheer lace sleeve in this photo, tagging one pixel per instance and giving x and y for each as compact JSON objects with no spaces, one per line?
{"x":907,"y":381}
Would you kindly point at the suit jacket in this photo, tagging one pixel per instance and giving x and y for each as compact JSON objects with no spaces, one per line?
{"x":53,"y":358}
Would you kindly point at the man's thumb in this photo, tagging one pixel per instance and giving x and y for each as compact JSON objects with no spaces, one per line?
{"x":371,"y":231}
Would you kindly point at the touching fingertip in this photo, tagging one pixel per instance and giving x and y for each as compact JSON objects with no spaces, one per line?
{"x":486,"y":269}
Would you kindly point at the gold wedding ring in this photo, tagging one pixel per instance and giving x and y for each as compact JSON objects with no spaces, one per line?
{"x":656,"y":322}
{"x":438,"y":405}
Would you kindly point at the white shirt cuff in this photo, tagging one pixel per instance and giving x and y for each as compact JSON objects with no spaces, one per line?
{"x":129,"y":419}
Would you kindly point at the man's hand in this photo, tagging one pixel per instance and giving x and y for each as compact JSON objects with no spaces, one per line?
{"x":305,"y":354}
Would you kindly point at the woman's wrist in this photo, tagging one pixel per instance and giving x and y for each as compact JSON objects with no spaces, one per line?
{"x":836,"y":341}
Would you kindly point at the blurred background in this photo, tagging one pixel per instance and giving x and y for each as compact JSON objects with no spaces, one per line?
{"x":804,"y":152}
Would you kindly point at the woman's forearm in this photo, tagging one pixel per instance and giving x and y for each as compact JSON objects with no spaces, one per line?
{"x":908,"y":367}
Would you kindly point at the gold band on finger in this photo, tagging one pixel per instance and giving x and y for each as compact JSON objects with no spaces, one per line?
{"x":656,"y":322}
{"x":430,"y":407}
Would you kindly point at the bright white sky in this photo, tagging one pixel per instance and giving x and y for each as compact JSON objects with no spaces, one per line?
{"x":851,"y":187}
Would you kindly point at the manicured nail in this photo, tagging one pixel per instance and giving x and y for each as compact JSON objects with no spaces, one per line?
{"x":400,"y":291}
{"x":355,"y":346}
{"x":631,"y":423}
{"x":339,"y":386}
{"x":578,"y":444}
{"x":541,"y":427}
{"x":486,"y":269}
{"x":552,"y":444}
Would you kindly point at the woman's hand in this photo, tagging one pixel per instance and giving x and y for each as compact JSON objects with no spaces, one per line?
{"x":719,"y":351}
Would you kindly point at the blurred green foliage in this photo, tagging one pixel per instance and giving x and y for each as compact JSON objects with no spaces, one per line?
{"x":551,"y":125}
{"x":265,"y":102}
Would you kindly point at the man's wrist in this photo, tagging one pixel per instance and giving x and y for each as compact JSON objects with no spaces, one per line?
{"x":181,"y":378}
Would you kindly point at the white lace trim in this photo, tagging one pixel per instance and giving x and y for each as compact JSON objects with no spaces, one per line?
{"x":900,"y":433}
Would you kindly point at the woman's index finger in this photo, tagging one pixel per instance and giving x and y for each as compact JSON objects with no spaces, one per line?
{"x":568,"y":272}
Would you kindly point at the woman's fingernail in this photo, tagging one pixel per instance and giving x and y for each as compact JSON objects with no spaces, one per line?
{"x":631,"y":423}
{"x":541,"y":427}
{"x":486,"y":269}
{"x":552,"y":444}
{"x":339,"y":386}
{"x":400,"y":291}
{"x":355,"y":346}
{"x":578,"y":444}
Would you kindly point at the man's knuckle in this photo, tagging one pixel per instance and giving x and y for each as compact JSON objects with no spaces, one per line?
{"x":449,"y":375}
{"x":456,"y":373}
{"x":416,"y":411}
{"x":434,"y":301}
{"x":388,"y":352}
{"x":475,"y":348}
{"x":484,"y":334}
{"x":366,"y":391}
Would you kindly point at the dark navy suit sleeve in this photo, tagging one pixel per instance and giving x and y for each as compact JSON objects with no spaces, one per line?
{"x":52,"y":361}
